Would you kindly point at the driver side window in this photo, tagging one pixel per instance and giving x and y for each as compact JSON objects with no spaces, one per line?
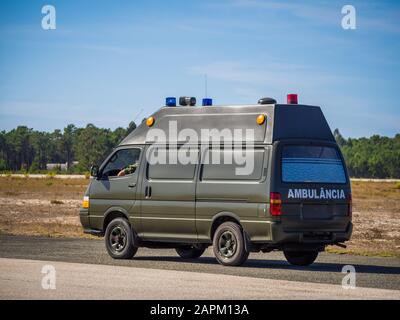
{"x":122,"y":162}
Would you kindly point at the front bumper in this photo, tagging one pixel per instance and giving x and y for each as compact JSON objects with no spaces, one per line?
{"x":85,"y":221}
{"x":84,"y":218}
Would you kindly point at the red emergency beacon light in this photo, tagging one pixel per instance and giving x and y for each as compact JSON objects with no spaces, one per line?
{"x":292,"y":98}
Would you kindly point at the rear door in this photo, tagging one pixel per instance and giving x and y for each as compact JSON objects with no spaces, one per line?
{"x":312,"y":179}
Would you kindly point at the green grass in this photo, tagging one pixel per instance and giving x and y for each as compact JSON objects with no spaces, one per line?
{"x":365,"y":253}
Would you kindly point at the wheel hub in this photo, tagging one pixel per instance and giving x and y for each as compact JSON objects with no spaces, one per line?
{"x":227,"y":244}
{"x":118,"y":239}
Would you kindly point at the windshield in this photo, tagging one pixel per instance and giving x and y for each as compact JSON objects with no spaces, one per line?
{"x":319,"y":164}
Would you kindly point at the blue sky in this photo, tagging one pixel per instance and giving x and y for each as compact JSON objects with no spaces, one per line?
{"x":110,"y":62}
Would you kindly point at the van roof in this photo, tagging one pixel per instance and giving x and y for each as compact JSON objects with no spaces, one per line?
{"x":282,"y":122}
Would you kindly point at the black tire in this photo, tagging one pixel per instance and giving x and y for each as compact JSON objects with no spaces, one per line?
{"x":300,"y":258}
{"x":190,"y":252}
{"x":229,"y":245}
{"x":120,"y":239}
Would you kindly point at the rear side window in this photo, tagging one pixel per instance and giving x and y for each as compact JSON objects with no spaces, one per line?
{"x":227,"y":168}
{"x":163,"y":164}
{"x":318,"y":164}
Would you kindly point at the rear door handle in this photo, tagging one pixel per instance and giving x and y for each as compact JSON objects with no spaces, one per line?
{"x":132,"y":185}
{"x":147,"y":192}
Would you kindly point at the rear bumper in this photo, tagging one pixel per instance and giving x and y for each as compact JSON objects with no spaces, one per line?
{"x":314,"y":235}
{"x":311,"y":237}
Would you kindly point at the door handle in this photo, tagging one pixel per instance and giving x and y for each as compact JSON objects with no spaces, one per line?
{"x":147,"y":192}
{"x":132,"y":185}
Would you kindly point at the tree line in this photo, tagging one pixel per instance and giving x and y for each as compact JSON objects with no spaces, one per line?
{"x":374,"y":157}
{"x":26,"y":150}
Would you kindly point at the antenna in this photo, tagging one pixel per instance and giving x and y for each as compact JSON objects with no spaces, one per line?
{"x":205,"y":85}
{"x":137,"y":115}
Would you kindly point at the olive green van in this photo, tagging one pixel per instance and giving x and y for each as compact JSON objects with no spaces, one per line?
{"x":294,"y":197}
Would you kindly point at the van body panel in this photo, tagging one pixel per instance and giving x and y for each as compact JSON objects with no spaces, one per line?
{"x":180,"y":203}
{"x":247,"y":214}
{"x":220,"y":189}
{"x":300,"y":122}
{"x":208,"y":118}
{"x":309,"y":207}
{"x":168,"y":219}
{"x":168,"y":202}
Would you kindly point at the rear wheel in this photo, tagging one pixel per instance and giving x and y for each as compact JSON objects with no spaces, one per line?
{"x":120,"y":239}
{"x":300,"y":258}
{"x":229,"y":245}
{"x":190,"y":251}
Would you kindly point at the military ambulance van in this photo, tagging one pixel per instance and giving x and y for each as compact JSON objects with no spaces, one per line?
{"x":241,"y":179}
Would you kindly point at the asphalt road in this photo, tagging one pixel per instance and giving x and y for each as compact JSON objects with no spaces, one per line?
{"x":29,"y":279}
{"x":371,"y":272}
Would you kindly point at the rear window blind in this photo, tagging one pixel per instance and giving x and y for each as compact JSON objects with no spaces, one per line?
{"x":318,"y":164}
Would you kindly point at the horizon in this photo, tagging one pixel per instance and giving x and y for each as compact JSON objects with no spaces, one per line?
{"x":109,"y":64}
{"x":138,"y":123}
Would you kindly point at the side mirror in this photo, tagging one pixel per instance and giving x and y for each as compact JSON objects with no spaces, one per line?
{"x":94,"y":171}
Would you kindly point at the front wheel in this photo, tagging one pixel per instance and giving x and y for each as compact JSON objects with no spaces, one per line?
{"x":229,"y":245}
{"x":300,"y":258}
{"x":119,"y":239}
{"x":190,"y":252}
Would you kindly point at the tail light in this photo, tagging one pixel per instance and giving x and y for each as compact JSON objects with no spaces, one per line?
{"x":275,"y":204}
{"x":350,"y":205}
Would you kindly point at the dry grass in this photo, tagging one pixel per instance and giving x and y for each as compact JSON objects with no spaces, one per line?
{"x":376,"y":218}
{"x":46,"y":207}
{"x":50,"y":207}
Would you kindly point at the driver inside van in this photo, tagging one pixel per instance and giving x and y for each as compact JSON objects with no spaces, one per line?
{"x":128,"y":170}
